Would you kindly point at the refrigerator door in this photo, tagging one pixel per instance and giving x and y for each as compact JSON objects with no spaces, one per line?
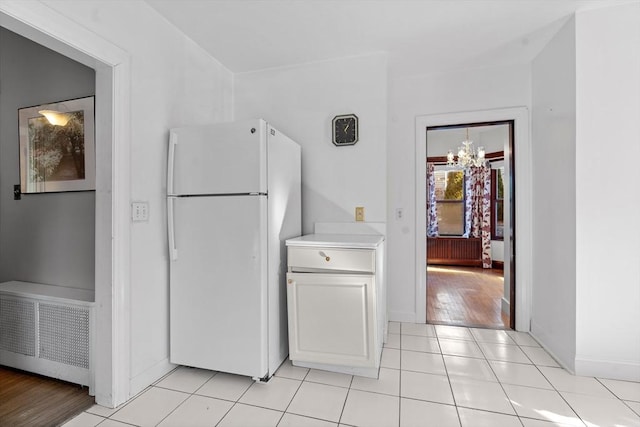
{"x":218,"y":287}
{"x":225,"y":158}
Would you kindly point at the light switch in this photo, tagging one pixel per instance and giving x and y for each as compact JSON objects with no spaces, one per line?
{"x":359,"y":213}
{"x":140,"y":211}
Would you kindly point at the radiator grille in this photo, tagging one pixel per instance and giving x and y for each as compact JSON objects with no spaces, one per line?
{"x":17,"y":326}
{"x":64,"y":334}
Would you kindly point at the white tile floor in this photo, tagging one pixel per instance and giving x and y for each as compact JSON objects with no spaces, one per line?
{"x":430,"y":376}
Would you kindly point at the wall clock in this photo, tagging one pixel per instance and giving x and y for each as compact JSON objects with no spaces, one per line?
{"x":345,"y":129}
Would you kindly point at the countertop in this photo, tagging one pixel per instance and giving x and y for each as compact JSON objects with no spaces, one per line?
{"x":356,"y":241}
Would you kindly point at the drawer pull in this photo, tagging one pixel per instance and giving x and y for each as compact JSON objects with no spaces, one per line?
{"x":290,"y":281}
{"x":326,"y":257}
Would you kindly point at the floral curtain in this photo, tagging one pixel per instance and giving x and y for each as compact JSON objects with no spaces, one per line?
{"x":432,"y":214}
{"x":478,"y":208}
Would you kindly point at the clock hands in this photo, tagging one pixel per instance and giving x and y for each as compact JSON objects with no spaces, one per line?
{"x":345,"y":129}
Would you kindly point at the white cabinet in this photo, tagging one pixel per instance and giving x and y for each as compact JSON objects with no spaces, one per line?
{"x":335,"y":301}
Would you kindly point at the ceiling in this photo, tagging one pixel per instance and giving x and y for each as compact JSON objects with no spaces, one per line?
{"x":420,"y":36}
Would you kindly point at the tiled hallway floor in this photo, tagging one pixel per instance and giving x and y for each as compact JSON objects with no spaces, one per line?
{"x":430,"y":376}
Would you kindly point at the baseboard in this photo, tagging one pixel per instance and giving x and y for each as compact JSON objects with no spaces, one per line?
{"x":148,"y":377}
{"x":402,"y":316}
{"x":626,"y":370}
{"x":455,"y":262}
{"x":349,"y":370}
{"x":506,"y":306}
{"x":612,"y":369}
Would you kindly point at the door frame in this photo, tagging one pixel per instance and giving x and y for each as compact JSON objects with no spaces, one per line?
{"x":523,"y":199}
{"x":42,"y":24}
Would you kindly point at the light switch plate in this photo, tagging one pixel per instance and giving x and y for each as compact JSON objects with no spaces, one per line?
{"x":140,"y":211}
{"x":359,"y":213}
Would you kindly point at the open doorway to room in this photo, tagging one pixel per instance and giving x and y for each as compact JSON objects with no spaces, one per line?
{"x":43,"y":25}
{"x":470,"y":271}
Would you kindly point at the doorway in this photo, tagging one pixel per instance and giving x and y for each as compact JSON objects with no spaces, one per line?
{"x":43,"y":25}
{"x":470,"y":271}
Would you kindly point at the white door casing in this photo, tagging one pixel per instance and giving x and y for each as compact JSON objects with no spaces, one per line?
{"x":523,"y":197}
{"x":37,"y":22}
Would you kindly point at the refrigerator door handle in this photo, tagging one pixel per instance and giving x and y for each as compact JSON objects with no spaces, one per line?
{"x":173,"y":141}
{"x":173,"y":251}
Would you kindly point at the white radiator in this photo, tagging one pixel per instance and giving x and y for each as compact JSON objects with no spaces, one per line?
{"x":47,"y":330}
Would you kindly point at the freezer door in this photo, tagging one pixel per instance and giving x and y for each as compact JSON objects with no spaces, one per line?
{"x":218,"y":284}
{"x":225,"y":158}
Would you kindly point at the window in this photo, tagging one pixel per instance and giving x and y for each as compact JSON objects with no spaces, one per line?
{"x":450,"y":202}
{"x":497,"y":204}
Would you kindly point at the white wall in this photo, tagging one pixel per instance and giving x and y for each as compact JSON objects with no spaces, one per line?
{"x":607,"y":198}
{"x":468,"y":90}
{"x":301,"y":101}
{"x":173,"y":82}
{"x":44,"y":238}
{"x":554,"y":185}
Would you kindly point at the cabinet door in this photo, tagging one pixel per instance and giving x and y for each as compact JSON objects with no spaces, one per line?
{"x":332,"y":318}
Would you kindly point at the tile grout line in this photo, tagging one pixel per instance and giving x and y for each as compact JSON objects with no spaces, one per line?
{"x":400,"y":379}
{"x":176,"y":408}
{"x":474,"y":339}
{"x":453,"y":396}
{"x":515,"y":412}
{"x":294,"y":394}
{"x":344,"y":405}
{"x":180,"y":391}
{"x":122,"y":422}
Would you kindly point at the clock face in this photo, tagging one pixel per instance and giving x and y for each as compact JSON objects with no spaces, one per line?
{"x":345,"y":129}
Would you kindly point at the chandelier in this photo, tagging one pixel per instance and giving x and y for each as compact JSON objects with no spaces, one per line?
{"x":468,"y":156}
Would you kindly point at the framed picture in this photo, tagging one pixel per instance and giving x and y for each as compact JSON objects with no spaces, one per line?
{"x":57,"y":147}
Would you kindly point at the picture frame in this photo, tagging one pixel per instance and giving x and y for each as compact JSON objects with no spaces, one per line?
{"x":57,"y":146}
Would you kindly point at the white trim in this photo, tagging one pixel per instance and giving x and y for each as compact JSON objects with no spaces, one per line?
{"x":523,"y":195}
{"x":44,"y":25}
{"x":505,"y":306}
{"x":626,"y":370}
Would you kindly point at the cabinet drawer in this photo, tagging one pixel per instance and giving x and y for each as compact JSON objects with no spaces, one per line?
{"x":361,"y":260}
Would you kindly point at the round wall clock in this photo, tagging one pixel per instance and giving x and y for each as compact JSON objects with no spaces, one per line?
{"x":345,"y":129}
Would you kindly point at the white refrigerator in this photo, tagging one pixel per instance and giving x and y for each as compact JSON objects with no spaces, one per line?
{"x":233,"y":198}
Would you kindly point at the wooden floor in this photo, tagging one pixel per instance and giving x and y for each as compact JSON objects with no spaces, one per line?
{"x":465,"y":296}
{"x":36,"y":401}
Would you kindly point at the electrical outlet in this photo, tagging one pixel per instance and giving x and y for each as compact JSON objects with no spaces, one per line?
{"x":140,"y":211}
{"x":359,"y":213}
{"x":399,"y":213}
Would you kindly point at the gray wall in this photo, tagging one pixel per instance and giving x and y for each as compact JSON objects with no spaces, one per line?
{"x":44,"y":238}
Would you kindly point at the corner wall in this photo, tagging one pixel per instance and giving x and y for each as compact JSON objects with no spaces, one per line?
{"x":301,"y":101}
{"x":607,"y":195}
{"x":50,"y":237}
{"x":553,"y":315}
